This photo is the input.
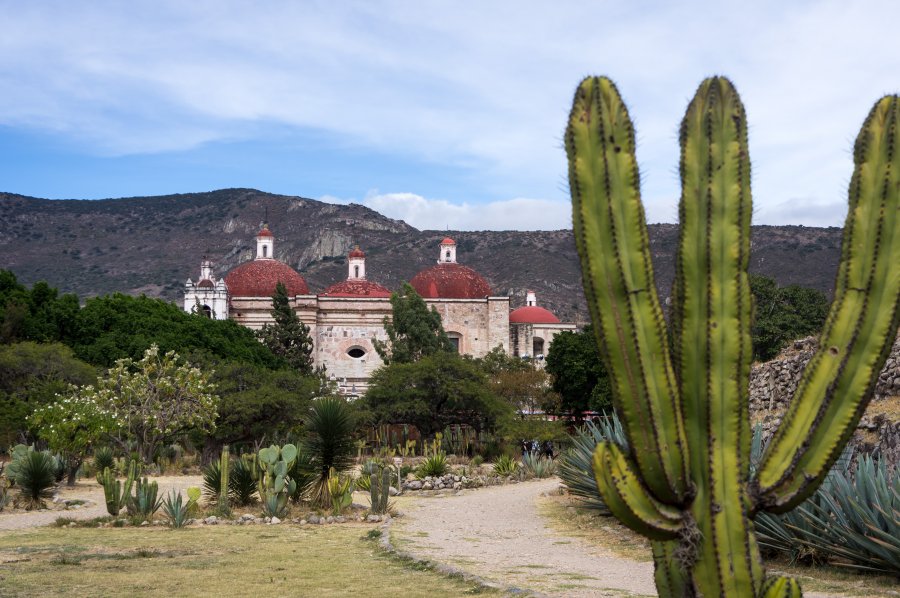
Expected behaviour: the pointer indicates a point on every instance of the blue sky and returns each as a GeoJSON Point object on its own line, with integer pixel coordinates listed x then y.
{"type": "Point", "coordinates": [444, 114]}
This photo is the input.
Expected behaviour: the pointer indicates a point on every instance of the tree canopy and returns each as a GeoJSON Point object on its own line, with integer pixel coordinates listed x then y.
{"type": "Point", "coordinates": [434, 392]}
{"type": "Point", "coordinates": [288, 337]}
{"type": "Point", "coordinates": [578, 375]}
{"type": "Point", "coordinates": [782, 314]}
{"type": "Point", "coordinates": [413, 330]}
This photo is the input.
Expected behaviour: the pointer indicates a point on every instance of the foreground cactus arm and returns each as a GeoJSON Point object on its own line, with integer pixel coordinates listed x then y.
{"type": "Point", "coordinates": [840, 379]}
{"type": "Point", "coordinates": [612, 242]}
{"type": "Point", "coordinates": [697, 505]}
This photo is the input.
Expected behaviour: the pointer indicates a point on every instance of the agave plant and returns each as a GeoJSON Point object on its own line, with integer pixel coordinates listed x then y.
{"type": "Point", "coordinates": [212, 481]}
{"type": "Point", "coordinates": [537, 466]}
{"type": "Point", "coordinates": [576, 465]}
{"type": "Point", "coordinates": [506, 465]}
{"type": "Point", "coordinates": [328, 443]}
{"type": "Point", "coordinates": [176, 510]}
{"type": "Point", "coordinates": [434, 465]}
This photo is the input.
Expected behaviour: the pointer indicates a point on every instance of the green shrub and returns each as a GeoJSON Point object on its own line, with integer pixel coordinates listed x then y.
{"type": "Point", "coordinates": [242, 482]}
{"type": "Point", "coordinates": [506, 465]}
{"type": "Point", "coordinates": [35, 477]}
{"type": "Point", "coordinates": [328, 444]}
{"type": "Point", "coordinates": [434, 465]}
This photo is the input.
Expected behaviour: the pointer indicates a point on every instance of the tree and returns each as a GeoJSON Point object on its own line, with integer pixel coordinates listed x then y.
{"type": "Point", "coordinates": [39, 314]}
{"type": "Point", "coordinates": [413, 330]}
{"type": "Point", "coordinates": [288, 337]}
{"type": "Point", "coordinates": [578, 375]}
{"type": "Point", "coordinates": [519, 382]}
{"type": "Point", "coordinates": [782, 314]}
{"type": "Point", "coordinates": [31, 375]}
{"type": "Point", "coordinates": [71, 425]}
{"type": "Point", "coordinates": [155, 400]}
{"type": "Point", "coordinates": [434, 392]}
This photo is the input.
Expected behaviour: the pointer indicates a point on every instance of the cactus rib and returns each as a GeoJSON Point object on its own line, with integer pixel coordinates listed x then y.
{"type": "Point", "coordinates": [611, 237]}
{"type": "Point", "coordinates": [858, 331]}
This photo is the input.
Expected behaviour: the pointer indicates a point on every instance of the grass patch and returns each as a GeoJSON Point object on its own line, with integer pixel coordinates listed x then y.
{"type": "Point", "coordinates": [223, 560]}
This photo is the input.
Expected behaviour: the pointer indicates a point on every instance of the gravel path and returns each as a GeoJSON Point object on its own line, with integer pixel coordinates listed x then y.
{"type": "Point", "coordinates": [497, 533]}
{"type": "Point", "coordinates": [92, 493]}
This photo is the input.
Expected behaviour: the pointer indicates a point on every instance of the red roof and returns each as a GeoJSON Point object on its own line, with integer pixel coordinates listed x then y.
{"type": "Point", "coordinates": [356, 288]}
{"type": "Point", "coordinates": [448, 241]}
{"type": "Point", "coordinates": [532, 314]}
{"type": "Point", "coordinates": [450, 281]}
{"type": "Point", "coordinates": [206, 284]}
{"type": "Point", "coordinates": [265, 232]}
{"type": "Point", "coordinates": [259, 277]}
{"type": "Point", "coordinates": [357, 252]}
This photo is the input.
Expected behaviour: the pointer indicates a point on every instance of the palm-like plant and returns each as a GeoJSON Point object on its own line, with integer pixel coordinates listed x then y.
{"type": "Point", "coordinates": [35, 477]}
{"type": "Point", "coordinates": [328, 444]}
{"type": "Point", "coordinates": [242, 482]}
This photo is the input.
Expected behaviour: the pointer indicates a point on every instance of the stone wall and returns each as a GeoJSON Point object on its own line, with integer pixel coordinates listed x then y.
{"type": "Point", "coordinates": [772, 384]}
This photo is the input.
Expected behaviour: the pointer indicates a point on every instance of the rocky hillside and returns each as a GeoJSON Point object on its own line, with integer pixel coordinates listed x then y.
{"type": "Point", "coordinates": [152, 245]}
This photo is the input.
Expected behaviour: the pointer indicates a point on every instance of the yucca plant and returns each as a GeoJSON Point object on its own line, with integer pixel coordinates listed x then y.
{"type": "Point", "coordinates": [242, 481]}
{"type": "Point", "coordinates": [506, 465]}
{"type": "Point", "coordinates": [434, 465]}
{"type": "Point", "coordinates": [328, 443]}
{"type": "Point", "coordinates": [682, 393]}
{"type": "Point", "coordinates": [212, 481]}
{"type": "Point", "coordinates": [103, 459]}
{"type": "Point", "coordinates": [536, 466]}
{"type": "Point", "coordinates": [576, 466]}
{"type": "Point", "coordinates": [35, 478]}
{"type": "Point", "coordinates": [303, 473]}
{"type": "Point", "coordinates": [175, 509]}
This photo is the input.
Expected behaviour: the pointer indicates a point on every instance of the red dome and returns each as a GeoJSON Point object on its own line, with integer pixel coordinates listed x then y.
{"type": "Point", "coordinates": [259, 277]}
{"type": "Point", "coordinates": [532, 314]}
{"type": "Point", "coordinates": [357, 252]}
{"type": "Point", "coordinates": [448, 241]}
{"type": "Point", "coordinates": [265, 232]}
{"type": "Point", "coordinates": [450, 281]}
{"type": "Point", "coordinates": [356, 288]}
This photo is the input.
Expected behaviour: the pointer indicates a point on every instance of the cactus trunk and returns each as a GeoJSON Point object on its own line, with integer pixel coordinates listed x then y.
{"type": "Point", "coordinates": [685, 483]}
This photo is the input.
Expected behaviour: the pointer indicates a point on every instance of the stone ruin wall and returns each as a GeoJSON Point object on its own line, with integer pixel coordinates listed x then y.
{"type": "Point", "coordinates": [772, 384]}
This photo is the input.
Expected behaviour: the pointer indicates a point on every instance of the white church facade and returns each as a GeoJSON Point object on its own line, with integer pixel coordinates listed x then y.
{"type": "Point", "coordinates": [346, 317]}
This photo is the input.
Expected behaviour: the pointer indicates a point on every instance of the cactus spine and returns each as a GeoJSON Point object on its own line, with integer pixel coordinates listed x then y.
{"type": "Point", "coordinates": [686, 482]}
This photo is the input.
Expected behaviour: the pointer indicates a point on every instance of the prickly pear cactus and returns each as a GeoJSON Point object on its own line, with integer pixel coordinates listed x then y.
{"type": "Point", "coordinates": [682, 393]}
{"type": "Point", "coordinates": [274, 484]}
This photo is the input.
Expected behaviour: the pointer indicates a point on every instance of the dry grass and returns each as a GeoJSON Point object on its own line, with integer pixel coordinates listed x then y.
{"type": "Point", "coordinates": [888, 407]}
{"type": "Point", "coordinates": [567, 517]}
{"type": "Point", "coordinates": [223, 560]}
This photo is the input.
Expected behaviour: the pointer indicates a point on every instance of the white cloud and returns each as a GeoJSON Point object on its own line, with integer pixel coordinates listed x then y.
{"type": "Point", "coordinates": [440, 214]}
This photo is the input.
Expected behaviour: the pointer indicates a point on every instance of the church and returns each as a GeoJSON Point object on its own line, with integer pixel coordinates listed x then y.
{"type": "Point", "coordinates": [346, 317]}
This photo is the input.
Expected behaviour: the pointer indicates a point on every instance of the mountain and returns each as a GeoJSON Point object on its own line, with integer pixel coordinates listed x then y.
{"type": "Point", "coordinates": [151, 245]}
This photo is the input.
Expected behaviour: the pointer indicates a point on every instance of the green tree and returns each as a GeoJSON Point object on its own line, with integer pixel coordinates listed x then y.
{"type": "Point", "coordinates": [413, 330]}
{"type": "Point", "coordinates": [782, 314]}
{"type": "Point", "coordinates": [155, 400]}
{"type": "Point", "coordinates": [31, 375]}
{"type": "Point", "coordinates": [119, 326]}
{"type": "Point", "coordinates": [577, 372]}
{"type": "Point", "coordinates": [288, 337]}
{"type": "Point", "coordinates": [520, 382]}
{"type": "Point", "coordinates": [39, 314]}
{"type": "Point", "coordinates": [71, 425]}
{"type": "Point", "coordinates": [434, 392]}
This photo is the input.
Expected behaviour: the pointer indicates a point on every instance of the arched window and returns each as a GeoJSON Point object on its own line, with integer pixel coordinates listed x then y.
{"type": "Point", "coordinates": [448, 255]}
{"type": "Point", "coordinates": [206, 311]}
{"type": "Point", "coordinates": [265, 251]}
{"type": "Point", "coordinates": [356, 271]}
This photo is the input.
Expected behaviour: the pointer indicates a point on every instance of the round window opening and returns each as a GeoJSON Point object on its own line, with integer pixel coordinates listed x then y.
{"type": "Point", "coordinates": [356, 353]}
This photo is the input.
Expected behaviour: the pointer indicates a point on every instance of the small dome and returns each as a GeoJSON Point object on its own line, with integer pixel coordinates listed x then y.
{"type": "Point", "coordinates": [357, 252]}
{"type": "Point", "coordinates": [206, 284]}
{"type": "Point", "coordinates": [356, 288]}
{"type": "Point", "coordinates": [259, 277]}
{"type": "Point", "coordinates": [448, 241]}
{"type": "Point", "coordinates": [532, 314]}
{"type": "Point", "coordinates": [265, 232]}
{"type": "Point", "coordinates": [450, 281]}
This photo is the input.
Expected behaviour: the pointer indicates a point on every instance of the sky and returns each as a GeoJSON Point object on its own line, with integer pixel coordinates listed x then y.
{"type": "Point", "coordinates": [448, 115]}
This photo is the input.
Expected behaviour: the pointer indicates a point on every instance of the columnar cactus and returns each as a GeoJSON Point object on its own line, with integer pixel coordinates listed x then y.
{"type": "Point", "coordinates": [114, 492]}
{"type": "Point", "coordinates": [685, 481]}
{"type": "Point", "coordinates": [224, 472]}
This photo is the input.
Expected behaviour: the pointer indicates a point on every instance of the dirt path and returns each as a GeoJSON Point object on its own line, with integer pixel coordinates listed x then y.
{"type": "Point", "coordinates": [497, 533]}
{"type": "Point", "coordinates": [95, 506]}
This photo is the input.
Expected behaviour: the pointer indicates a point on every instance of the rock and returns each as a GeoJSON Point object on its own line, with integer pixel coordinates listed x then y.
{"type": "Point", "coordinates": [329, 519]}
{"type": "Point", "coordinates": [71, 524]}
{"type": "Point", "coordinates": [373, 518]}
{"type": "Point", "coordinates": [303, 522]}
{"type": "Point", "coordinates": [274, 520]}
{"type": "Point", "coordinates": [145, 523]}
{"type": "Point", "coordinates": [415, 485]}
{"type": "Point", "coordinates": [211, 520]}
{"type": "Point", "coordinates": [393, 491]}
{"type": "Point", "coordinates": [313, 519]}
{"type": "Point", "coordinates": [268, 520]}
{"type": "Point", "coordinates": [340, 519]}
{"type": "Point", "coordinates": [321, 521]}
{"type": "Point", "coordinates": [427, 486]}
{"type": "Point", "coordinates": [247, 517]}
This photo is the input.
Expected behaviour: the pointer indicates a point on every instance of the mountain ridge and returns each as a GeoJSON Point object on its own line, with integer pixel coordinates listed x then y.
{"type": "Point", "coordinates": [153, 244]}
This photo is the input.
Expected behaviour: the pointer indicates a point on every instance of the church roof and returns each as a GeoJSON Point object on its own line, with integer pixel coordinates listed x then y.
{"type": "Point", "coordinates": [265, 232]}
{"type": "Point", "coordinates": [448, 241]}
{"type": "Point", "coordinates": [357, 252]}
{"type": "Point", "coordinates": [206, 283]}
{"type": "Point", "coordinates": [259, 277]}
{"type": "Point", "coordinates": [450, 281]}
{"type": "Point", "coordinates": [532, 314]}
{"type": "Point", "coordinates": [356, 288]}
